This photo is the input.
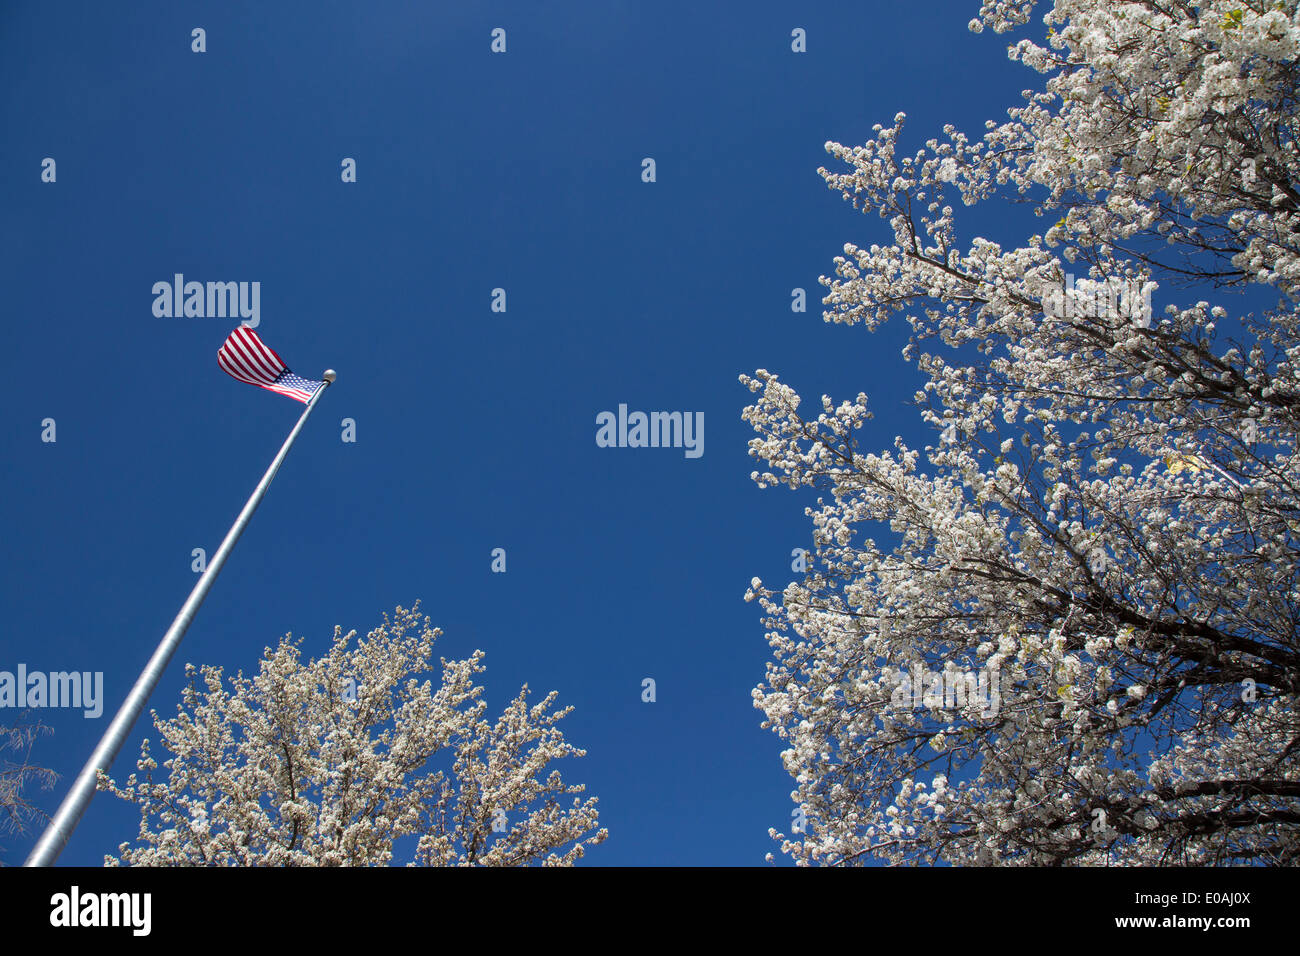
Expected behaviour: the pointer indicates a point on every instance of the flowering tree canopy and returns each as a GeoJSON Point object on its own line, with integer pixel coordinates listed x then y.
{"type": "Point", "coordinates": [329, 763]}
{"type": "Point", "coordinates": [1108, 524]}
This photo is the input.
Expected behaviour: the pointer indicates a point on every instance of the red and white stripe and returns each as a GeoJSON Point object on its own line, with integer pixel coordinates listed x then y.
{"type": "Point", "coordinates": [247, 358]}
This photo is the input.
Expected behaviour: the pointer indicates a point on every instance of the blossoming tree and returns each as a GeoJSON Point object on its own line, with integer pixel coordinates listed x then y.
{"type": "Point", "coordinates": [1108, 518]}
{"type": "Point", "coordinates": [17, 813]}
{"type": "Point", "coordinates": [329, 763]}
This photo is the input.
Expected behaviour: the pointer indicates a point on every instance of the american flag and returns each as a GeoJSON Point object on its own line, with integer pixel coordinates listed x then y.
{"type": "Point", "coordinates": [247, 358]}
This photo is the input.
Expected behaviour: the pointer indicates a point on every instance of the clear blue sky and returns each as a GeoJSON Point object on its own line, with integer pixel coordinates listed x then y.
{"type": "Point", "coordinates": [475, 429]}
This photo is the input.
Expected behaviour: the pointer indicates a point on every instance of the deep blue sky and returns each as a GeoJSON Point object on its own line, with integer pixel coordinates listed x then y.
{"type": "Point", "coordinates": [475, 429]}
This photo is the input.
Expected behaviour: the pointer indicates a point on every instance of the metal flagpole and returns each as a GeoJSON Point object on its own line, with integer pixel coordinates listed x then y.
{"type": "Point", "coordinates": [66, 818]}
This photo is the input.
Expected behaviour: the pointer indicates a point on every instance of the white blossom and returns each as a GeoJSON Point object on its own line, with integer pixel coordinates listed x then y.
{"type": "Point", "coordinates": [329, 762]}
{"type": "Point", "coordinates": [1089, 517]}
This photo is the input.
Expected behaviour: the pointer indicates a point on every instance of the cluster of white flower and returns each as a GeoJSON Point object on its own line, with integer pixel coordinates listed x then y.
{"type": "Point", "coordinates": [328, 763]}
{"type": "Point", "coordinates": [1112, 512]}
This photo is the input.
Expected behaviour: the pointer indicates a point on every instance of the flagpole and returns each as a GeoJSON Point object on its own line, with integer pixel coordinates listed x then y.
{"type": "Point", "coordinates": [70, 811]}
